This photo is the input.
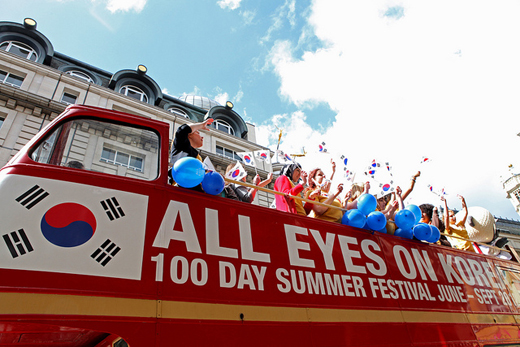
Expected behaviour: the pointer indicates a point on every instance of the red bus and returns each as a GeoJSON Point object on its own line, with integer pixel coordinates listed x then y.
{"type": "Point", "coordinates": [99, 250]}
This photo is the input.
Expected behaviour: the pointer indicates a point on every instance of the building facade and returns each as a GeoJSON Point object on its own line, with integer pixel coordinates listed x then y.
{"type": "Point", "coordinates": [38, 83]}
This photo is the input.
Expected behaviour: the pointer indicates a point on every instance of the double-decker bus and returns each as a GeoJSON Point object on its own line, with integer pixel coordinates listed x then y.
{"type": "Point", "coordinates": [98, 249]}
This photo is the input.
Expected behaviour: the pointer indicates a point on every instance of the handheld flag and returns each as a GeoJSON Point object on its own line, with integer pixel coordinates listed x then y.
{"type": "Point", "coordinates": [349, 175]}
{"type": "Point", "coordinates": [247, 157]}
{"type": "Point", "coordinates": [321, 148]}
{"type": "Point", "coordinates": [438, 192]}
{"type": "Point", "coordinates": [283, 157]}
{"type": "Point", "coordinates": [389, 168]}
{"type": "Point", "coordinates": [237, 172]}
{"type": "Point", "coordinates": [208, 165]}
{"type": "Point", "coordinates": [425, 160]}
{"type": "Point", "coordinates": [264, 156]}
{"type": "Point", "coordinates": [383, 178]}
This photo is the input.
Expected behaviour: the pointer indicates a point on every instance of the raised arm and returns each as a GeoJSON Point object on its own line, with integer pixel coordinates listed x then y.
{"type": "Point", "coordinates": [367, 187]}
{"type": "Point", "coordinates": [264, 182]}
{"type": "Point", "coordinates": [435, 221]}
{"type": "Point", "coordinates": [202, 125]}
{"type": "Point", "coordinates": [319, 210]}
{"type": "Point", "coordinates": [446, 215]}
{"type": "Point", "coordinates": [256, 181]}
{"type": "Point", "coordinates": [333, 168]}
{"type": "Point", "coordinates": [464, 208]}
{"type": "Point", "coordinates": [398, 194]}
{"type": "Point", "coordinates": [412, 185]}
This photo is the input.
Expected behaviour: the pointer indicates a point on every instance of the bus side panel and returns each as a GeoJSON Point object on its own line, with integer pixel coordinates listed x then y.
{"type": "Point", "coordinates": [95, 283]}
{"type": "Point", "coordinates": [200, 333]}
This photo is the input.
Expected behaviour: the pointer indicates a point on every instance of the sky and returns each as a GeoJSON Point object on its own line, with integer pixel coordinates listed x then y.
{"type": "Point", "coordinates": [394, 81]}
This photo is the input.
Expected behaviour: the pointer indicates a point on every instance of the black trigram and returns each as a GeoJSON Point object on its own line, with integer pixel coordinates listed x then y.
{"type": "Point", "coordinates": [112, 208]}
{"type": "Point", "coordinates": [18, 243]}
{"type": "Point", "coordinates": [105, 252]}
{"type": "Point", "coordinates": [32, 197]}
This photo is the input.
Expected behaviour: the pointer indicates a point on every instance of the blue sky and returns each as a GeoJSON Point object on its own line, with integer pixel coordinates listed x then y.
{"type": "Point", "coordinates": [387, 80]}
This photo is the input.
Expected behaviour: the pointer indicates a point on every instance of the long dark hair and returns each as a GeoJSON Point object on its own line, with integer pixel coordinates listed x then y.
{"type": "Point", "coordinates": [288, 169]}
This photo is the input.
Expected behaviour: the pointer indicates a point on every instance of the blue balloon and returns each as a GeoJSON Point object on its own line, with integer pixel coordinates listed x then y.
{"type": "Point", "coordinates": [188, 172]}
{"type": "Point", "coordinates": [213, 183]}
{"type": "Point", "coordinates": [384, 231]}
{"type": "Point", "coordinates": [356, 218]}
{"type": "Point", "coordinates": [422, 231]}
{"type": "Point", "coordinates": [376, 220]}
{"type": "Point", "coordinates": [404, 219]}
{"type": "Point", "coordinates": [435, 235]}
{"type": "Point", "coordinates": [366, 203]}
{"type": "Point", "coordinates": [406, 233]}
{"type": "Point", "coordinates": [416, 212]}
{"type": "Point", "coordinates": [344, 219]}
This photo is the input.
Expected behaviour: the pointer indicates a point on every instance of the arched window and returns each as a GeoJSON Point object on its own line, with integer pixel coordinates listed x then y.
{"type": "Point", "coordinates": [134, 92]}
{"type": "Point", "coordinates": [20, 49]}
{"type": "Point", "coordinates": [80, 74]}
{"type": "Point", "coordinates": [178, 112]}
{"type": "Point", "coordinates": [224, 126]}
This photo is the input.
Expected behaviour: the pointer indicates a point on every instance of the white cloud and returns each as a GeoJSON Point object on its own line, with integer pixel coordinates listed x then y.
{"type": "Point", "coordinates": [230, 4]}
{"type": "Point", "coordinates": [283, 12]}
{"type": "Point", "coordinates": [221, 98]}
{"type": "Point", "coordinates": [248, 16]}
{"type": "Point", "coordinates": [238, 96]}
{"type": "Point", "coordinates": [400, 92]}
{"type": "Point", "coordinates": [125, 5]}
{"type": "Point", "coordinates": [96, 16]}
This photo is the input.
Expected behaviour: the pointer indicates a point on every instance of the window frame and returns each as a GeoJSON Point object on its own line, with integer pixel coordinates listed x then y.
{"type": "Point", "coordinates": [116, 157]}
{"type": "Point", "coordinates": [134, 89]}
{"type": "Point", "coordinates": [180, 112]}
{"type": "Point", "coordinates": [69, 95]}
{"type": "Point", "coordinates": [80, 74]}
{"type": "Point", "coordinates": [225, 124]}
{"type": "Point", "coordinates": [63, 133]}
{"type": "Point", "coordinates": [233, 155]}
{"type": "Point", "coordinates": [7, 75]}
{"type": "Point", "coordinates": [31, 52]}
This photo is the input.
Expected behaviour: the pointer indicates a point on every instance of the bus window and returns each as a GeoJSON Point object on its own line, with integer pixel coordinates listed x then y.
{"type": "Point", "coordinates": [100, 146]}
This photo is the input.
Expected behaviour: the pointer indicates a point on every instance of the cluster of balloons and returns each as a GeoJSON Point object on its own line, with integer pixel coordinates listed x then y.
{"type": "Point", "coordinates": [189, 172]}
{"type": "Point", "coordinates": [407, 220]}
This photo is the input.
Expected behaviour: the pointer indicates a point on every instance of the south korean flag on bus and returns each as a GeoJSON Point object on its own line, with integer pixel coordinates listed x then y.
{"type": "Point", "coordinates": [381, 174]}
{"type": "Point", "coordinates": [65, 227]}
{"type": "Point", "coordinates": [247, 158]}
{"type": "Point", "coordinates": [264, 156]}
{"type": "Point", "coordinates": [237, 172]}
{"type": "Point", "coordinates": [283, 157]}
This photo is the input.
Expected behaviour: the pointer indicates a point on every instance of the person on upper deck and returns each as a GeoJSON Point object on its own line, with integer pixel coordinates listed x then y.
{"type": "Point", "coordinates": [287, 183]}
{"type": "Point", "coordinates": [457, 228]}
{"type": "Point", "coordinates": [187, 139]}
{"type": "Point", "coordinates": [430, 215]}
{"type": "Point", "coordinates": [319, 191]}
{"type": "Point", "coordinates": [242, 193]}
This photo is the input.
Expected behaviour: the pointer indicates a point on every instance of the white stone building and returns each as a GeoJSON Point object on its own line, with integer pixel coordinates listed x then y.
{"type": "Point", "coordinates": [37, 84]}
